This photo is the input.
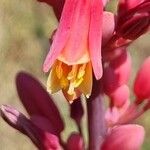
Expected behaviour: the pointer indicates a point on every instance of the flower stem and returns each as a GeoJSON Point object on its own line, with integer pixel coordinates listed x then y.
{"type": "Point", "coordinates": [96, 122]}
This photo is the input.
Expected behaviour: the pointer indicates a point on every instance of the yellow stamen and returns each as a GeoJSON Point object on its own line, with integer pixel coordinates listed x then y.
{"type": "Point", "coordinates": [75, 77]}
{"type": "Point", "coordinates": [78, 82]}
{"type": "Point", "coordinates": [64, 82]}
{"type": "Point", "coordinates": [72, 74]}
{"type": "Point", "coordinates": [81, 71]}
{"type": "Point", "coordinates": [71, 89]}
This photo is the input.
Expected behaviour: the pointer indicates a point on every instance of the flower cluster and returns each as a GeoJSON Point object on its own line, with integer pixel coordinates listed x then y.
{"type": "Point", "coordinates": [89, 44]}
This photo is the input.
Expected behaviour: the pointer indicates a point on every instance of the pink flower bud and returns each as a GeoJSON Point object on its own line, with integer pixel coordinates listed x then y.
{"type": "Point", "coordinates": [114, 113]}
{"type": "Point", "coordinates": [125, 137]}
{"type": "Point", "coordinates": [108, 26]}
{"type": "Point", "coordinates": [120, 96]}
{"type": "Point", "coordinates": [122, 67]}
{"type": "Point", "coordinates": [117, 73]}
{"type": "Point", "coordinates": [142, 81]}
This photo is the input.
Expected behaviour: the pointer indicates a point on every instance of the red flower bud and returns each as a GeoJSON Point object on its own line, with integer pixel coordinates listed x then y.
{"type": "Point", "coordinates": [117, 73]}
{"type": "Point", "coordinates": [134, 27]}
{"type": "Point", "coordinates": [142, 81]}
{"type": "Point", "coordinates": [133, 19]}
{"type": "Point", "coordinates": [120, 96]}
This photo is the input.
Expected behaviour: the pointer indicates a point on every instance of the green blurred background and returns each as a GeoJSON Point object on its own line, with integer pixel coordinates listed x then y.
{"type": "Point", "coordinates": [25, 28]}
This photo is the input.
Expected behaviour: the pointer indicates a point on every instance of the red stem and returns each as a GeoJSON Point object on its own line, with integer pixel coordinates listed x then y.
{"type": "Point", "coordinates": [96, 122]}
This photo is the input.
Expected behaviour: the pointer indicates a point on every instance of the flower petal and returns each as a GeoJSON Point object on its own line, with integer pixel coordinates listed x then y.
{"type": "Point", "coordinates": [105, 2]}
{"type": "Point", "coordinates": [43, 123]}
{"type": "Point", "coordinates": [76, 49]}
{"type": "Point", "coordinates": [86, 85]}
{"type": "Point", "coordinates": [95, 36]}
{"type": "Point", "coordinates": [62, 34]}
{"type": "Point", "coordinates": [37, 101]}
{"type": "Point", "coordinates": [53, 83]}
{"type": "Point", "coordinates": [108, 26]}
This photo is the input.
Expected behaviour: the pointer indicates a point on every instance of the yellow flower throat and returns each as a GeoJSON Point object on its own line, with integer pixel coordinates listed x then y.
{"type": "Point", "coordinates": [70, 76]}
{"type": "Point", "coordinates": [73, 80]}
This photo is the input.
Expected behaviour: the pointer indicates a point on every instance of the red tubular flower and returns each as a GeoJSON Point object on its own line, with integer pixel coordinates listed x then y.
{"type": "Point", "coordinates": [76, 48]}
{"type": "Point", "coordinates": [125, 137]}
{"type": "Point", "coordinates": [142, 82]}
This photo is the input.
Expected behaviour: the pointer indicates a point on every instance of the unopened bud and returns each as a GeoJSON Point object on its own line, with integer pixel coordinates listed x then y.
{"type": "Point", "coordinates": [142, 81]}
{"type": "Point", "coordinates": [120, 96]}
{"type": "Point", "coordinates": [134, 27]}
